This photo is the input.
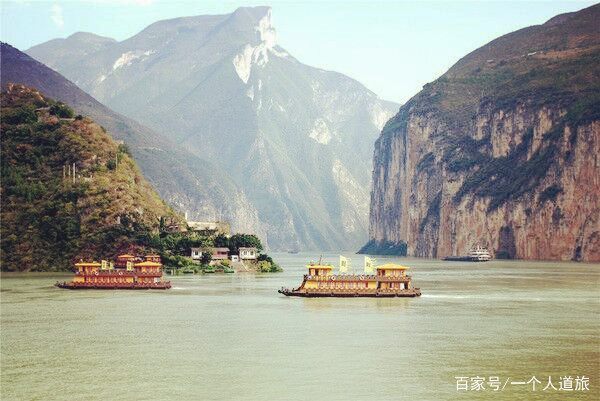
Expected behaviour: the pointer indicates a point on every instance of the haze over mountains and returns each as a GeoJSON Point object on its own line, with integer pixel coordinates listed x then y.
{"type": "Point", "coordinates": [185, 181]}
{"type": "Point", "coordinates": [296, 140]}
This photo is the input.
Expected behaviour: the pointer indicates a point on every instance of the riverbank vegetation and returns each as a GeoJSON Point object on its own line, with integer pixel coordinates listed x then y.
{"type": "Point", "coordinates": [374, 247]}
{"type": "Point", "coordinates": [175, 251]}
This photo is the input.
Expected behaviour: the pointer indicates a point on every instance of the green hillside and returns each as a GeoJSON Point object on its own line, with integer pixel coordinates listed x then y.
{"type": "Point", "coordinates": [50, 216]}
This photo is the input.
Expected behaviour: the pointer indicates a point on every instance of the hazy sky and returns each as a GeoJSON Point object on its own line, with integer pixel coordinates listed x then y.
{"type": "Point", "coordinates": [392, 47]}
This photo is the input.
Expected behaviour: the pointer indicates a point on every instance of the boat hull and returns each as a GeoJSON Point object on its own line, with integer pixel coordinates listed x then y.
{"type": "Point", "coordinates": [113, 286]}
{"type": "Point", "coordinates": [464, 259]}
{"type": "Point", "coordinates": [415, 292]}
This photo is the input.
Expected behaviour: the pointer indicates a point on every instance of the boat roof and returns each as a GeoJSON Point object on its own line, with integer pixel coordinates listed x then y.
{"type": "Point", "coordinates": [309, 266]}
{"type": "Point", "coordinates": [88, 264]}
{"type": "Point", "coordinates": [147, 263]}
{"type": "Point", "coordinates": [392, 266]}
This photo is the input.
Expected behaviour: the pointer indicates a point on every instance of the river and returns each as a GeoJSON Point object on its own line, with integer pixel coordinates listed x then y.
{"type": "Point", "coordinates": [233, 337]}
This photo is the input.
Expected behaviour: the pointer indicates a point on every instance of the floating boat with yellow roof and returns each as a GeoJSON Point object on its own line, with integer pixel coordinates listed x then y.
{"type": "Point", "coordinates": [128, 272]}
{"type": "Point", "coordinates": [388, 280]}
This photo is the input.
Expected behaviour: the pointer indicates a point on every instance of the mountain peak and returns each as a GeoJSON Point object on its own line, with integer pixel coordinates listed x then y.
{"type": "Point", "coordinates": [266, 30]}
{"type": "Point", "coordinates": [257, 12]}
{"type": "Point", "coordinates": [243, 20]}
{"type": "Point", "coordinates": [258, 19]}
{"type": "Point", "coordinates": [257, 52]}
{"type": "Point", "coordinates": [585, 16]}
{"type": "Point", "coordinates": [562, 32]}
{"type": "Point", "coordinates": [89, 37]}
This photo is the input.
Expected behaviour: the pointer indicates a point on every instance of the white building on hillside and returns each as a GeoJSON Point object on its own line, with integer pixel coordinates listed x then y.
{"type": "Point", "coordinates": [248, 253]}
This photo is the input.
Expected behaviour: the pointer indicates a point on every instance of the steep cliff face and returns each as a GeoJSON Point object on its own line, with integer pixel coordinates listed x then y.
{"type": "Point", "coordinates": [502, 151]}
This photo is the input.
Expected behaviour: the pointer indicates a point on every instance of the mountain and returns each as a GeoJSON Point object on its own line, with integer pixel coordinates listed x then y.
{"type": "Point", "coordinates": [67, 188]}
{"type": "Point", "coordinates": [502, 151]}
{"type": "Point", "coordinates": [185, 181]}
{"type": "Point", "coordinates": [296, 139]}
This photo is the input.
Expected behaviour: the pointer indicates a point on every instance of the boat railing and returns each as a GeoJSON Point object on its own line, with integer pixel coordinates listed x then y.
{"type": "Point", "coordinates": [160, 284]}
{"type": "Point", "coordinates": [395, 279]}
{"type": "Point", "coordinates": [120, 272]}
{"type": "Point", "coordinates": [342, 277]}
{"type": "Point", "coordinates": [356, 277]}
{"type": "Point", "coordinates": [357, 290]}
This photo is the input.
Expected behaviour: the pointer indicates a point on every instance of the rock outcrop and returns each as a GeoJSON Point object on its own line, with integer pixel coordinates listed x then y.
{"type": "Point", "coordinates": [501, 151]}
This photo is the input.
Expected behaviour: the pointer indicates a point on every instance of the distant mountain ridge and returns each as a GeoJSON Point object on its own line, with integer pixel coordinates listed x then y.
{"type": "Point", "coordinates": [296, 139]}
{"type": "Point", "coordinates": [500, 151]}
{"type": "Point", "coordinates": [185, 181]}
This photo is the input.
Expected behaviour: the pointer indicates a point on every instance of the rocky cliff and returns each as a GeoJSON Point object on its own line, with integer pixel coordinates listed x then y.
{"type": "Point", "coordinates": [502, 151]}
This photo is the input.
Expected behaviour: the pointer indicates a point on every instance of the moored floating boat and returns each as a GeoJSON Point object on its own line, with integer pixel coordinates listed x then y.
{"type": "Point", "coordinates": [128, 273]}
{"type": "Point", "coordinates": [388, 281]}
{"type": "Point", "coordinates": [477, 254]}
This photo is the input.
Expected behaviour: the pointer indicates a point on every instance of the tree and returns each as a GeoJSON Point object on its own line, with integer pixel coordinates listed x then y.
{"type": "Point", "coordinates": [206, 258]}
{"type": "Point", "coordinates": [244, 240]}
{"type": "Point", "coordinates": [221, 241]}
{"type": "Point", "coordinates": [123, 148]}
{"type": "Point", "coordinates": [61, 110]}
{"type": "Point", "coordinates": [265, 257]}
{"type": "Point", "coordinates": [162, 225]}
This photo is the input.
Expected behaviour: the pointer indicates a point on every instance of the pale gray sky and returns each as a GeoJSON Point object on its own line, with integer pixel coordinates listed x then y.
{"type": "Point", "coordinates": [392, 47]}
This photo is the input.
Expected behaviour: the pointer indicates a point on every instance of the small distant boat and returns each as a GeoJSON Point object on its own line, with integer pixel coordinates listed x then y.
{"type": "Point", "coordinates": [387, 281]}
{"type": "Point", "coordinates": [477, 254]}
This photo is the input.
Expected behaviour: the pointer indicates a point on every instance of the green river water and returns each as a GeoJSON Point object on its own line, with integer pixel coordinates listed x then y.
{"type": "Point", "coordinates": [233, 337]}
